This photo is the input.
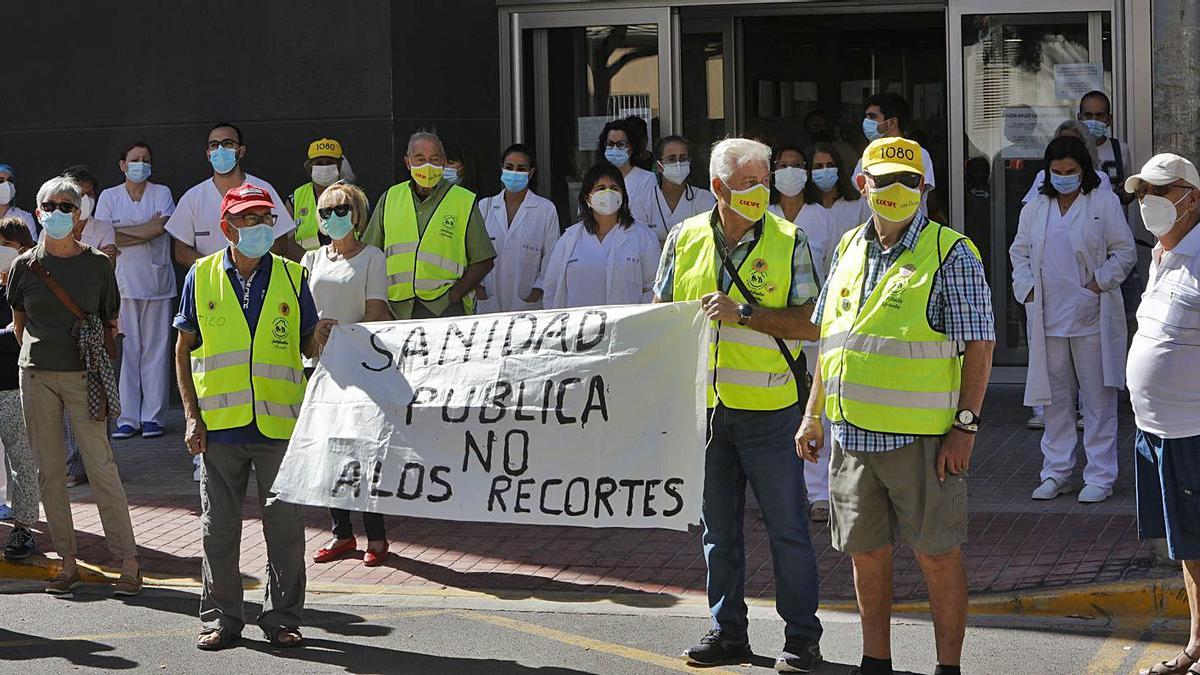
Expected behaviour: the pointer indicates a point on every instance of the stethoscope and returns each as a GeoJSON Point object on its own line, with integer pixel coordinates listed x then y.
{"type": "Point", "coordinates": [689, 195]}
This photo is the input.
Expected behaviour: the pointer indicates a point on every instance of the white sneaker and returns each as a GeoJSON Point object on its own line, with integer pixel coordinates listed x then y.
{"type": "Point", "coordinates": [196, 475]}
{"type": "Point", "coordinates": [1037, 423]}
{"type": "Point", "coordinates": [1050, 488]}
{"type": "Point", "coordinates": [1093, 494]}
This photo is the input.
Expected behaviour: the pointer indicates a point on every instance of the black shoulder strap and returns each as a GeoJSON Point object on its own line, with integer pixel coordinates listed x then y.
{"type": "Point", "coordinates": [1116, 146]}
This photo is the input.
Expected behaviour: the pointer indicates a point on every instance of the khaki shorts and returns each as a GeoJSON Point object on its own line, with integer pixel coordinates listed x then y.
{"type": "Point", "coordinates": [875, 495]}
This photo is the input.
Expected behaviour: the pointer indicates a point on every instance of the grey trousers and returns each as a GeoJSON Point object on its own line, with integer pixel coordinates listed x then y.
{"type": "Point", "coordinates": [223, 482]}
{"type": "Point", "coordinates": [23, 489]}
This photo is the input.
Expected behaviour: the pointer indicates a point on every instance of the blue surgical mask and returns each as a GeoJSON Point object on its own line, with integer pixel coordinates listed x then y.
{"type": "Point", "coordinates": [1097, 128]}
{"type": "Point", "coordinates": [825, 178]}
{"type": "Point", "coordinates": [870, 129]}
{"type": "Point", "coordinates": [223, 160]}
{"type": "Point", "coordinates": [616, 156]}
{"type": "Point", "coordinates": [1066, 185]}
{"type": "Point", "coordinates": [450, 174]}
{"type": "Point", "coordinates": [337, 226]}
{"type": "Point", "coordinates": [137, 172]}
{"type": "Point", "coordinates": [514, 181]}
{"type": "Point", "coordinates": [58, 225]}
{"type": "Point", "coordinates": [255, 241]}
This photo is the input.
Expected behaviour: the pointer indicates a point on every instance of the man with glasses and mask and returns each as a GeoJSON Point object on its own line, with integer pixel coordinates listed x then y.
{"type": "Point", "coordinates": [437, 246]}
{"type": "Point", "coordinates": [906, 351]}
{"type": "Point", "coordinates": [1163, 376]}
{"type": "Point", "coordinates": [245, 317]}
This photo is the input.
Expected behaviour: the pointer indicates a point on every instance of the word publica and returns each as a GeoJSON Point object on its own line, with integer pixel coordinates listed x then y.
{"type": "Point", "coordinates": [507, 335]}
{"type": "Point", "coordinates": [530, 402]}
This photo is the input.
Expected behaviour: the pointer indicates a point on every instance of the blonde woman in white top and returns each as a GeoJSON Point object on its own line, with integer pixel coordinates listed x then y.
{"type": "Point", "coordinates": [348, 280]}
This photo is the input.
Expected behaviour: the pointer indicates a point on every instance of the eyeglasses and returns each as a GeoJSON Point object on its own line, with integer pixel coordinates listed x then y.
{"type": "Point", "coordinates": [228, 144]}
{"type": "Point", "coordinates": [1156, 190]}
{"type": "Point", "coordinates": [909, 180]}
{"type": "Point", "coordinates": [340, 209]}
{"type": "Point", "coordinates": [620, 145]}
{"type": "Point", "coordinates": [65, 207]}
{"type": "Point", "coordinates": [251, 219]}
{"type": "Point", "coordinates": [604, 188]}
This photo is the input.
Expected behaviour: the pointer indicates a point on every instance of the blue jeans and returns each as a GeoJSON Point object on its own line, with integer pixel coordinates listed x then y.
{"type": "Point", "coordinates": [759, 447]}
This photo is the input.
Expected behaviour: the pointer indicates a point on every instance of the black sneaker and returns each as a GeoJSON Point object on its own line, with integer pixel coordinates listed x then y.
{"type": "Point", "coordinates": [20, 544]}
{"type": "Point", "coordinates": [799, 656]}
{"type": "Point", "coordinates": [715, 649]}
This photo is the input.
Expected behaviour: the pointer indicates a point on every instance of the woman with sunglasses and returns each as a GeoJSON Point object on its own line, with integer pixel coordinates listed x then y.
{"type": "Point", "coordinates": [54, 380]}
{"type": "Point", "coordinates": [676, 200]}
{"type": "Point", "coordinates": [348, 280]}
{"type": "Point", "coordinates": [1071, 252]}
{"type": "Point", "coordinates": [607, 258]}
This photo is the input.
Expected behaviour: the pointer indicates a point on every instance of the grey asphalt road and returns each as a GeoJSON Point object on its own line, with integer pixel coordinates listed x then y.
{"type": "Point", "coordinates": [368, 633]}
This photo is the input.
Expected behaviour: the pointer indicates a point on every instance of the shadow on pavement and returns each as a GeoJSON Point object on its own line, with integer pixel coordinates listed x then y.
{"type": "Point", "coordinates": [16, 646]}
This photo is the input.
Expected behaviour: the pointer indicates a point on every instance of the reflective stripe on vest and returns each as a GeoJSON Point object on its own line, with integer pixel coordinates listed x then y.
{"type": "Point", "coordinates": [751, 374]}
{"type": "Point", "coordinates": [242, 378]}
{"type": "Point", "coordinates": [884, 368]}
{"type": "Point", "coordinates": [426, 265]}
{"type": "Point", "coordinates": [304, 203]}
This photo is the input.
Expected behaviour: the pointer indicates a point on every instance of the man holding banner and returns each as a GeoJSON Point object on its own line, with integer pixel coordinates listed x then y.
{"type": "Point", "coordinates": [245, 317]}
{"type": "Point", "coordinates": [759, 294]}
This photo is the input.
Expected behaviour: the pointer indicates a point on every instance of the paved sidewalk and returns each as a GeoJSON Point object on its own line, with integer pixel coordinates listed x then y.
{"type": "Point", "coordinates": [1015, 544]}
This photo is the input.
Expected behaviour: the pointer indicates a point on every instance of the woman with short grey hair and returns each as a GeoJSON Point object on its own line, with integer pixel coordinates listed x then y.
{"type": "Point", "coordinates": [50, 287]}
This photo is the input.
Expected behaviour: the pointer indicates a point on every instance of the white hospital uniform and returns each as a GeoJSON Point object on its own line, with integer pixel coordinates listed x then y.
{"type": "Point", "coordinates": [523, 249]}
{"type": "Point", "coordinates": [146, 280]}
{"type": "Point", "coordinates": [694, 201]}
{"type": "Point", "coordinates": [197, 218]}
{"type": "Point", "coordinates": [584, 271]}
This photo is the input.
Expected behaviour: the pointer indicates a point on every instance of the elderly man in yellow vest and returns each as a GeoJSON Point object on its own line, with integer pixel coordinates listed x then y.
{"type": "Point", "coordinates": [752, 397]}
{"type": "Point", "coordinates": [437, 246]}
{"type": "Point", "coordinates": [324, 166]}
{"type": "Point", "coordinates": [245, 317]}
{"type": "Point", "coordinates": [906, 351]}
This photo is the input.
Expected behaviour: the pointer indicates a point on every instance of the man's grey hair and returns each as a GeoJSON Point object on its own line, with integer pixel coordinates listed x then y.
{"type": "Point", "coordinates": [60, 186]}
{"type": "Point", "coordinates": [731, 154]}
{"type": "Point", "coordinates": [424, 136]}
{"type": "Point", "coordinates": [1080, 129]}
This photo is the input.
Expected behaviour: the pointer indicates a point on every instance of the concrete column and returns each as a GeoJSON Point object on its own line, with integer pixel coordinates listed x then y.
{"type": "Point", "coordinates": [1176, 77]}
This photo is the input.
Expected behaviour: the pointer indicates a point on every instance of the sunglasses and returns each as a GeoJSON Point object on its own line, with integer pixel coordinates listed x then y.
{"type": "Point", "coordinates": [1156, 190]}
{"type": "Point", "coordinates": [340, 209]}
{"type": "Point", "coordinates": [65, 207]}
{"type": "Point", "coordinates": [909, 180]}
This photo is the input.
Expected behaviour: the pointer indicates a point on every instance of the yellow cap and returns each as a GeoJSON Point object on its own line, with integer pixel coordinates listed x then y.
{"type": "Point", "coordinates": [326, 147]}
{"type": "Point", "coordinates": [893, 155]}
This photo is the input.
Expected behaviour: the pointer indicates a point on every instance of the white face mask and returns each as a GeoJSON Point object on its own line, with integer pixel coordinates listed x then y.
{"type": "Point", "coordinates": [324, 175]}
{"type": "Point", "coordinates": [85, 207]}
{"type": "Point", "coordinates": [606, 202]}
{"type": "Point", "coordinates": [7, 192]}
{"type": "Point", "coordinates": [7, 255]}
{"type": "Point", "coordinates": [790, 180]}
{"type": "Point", "coordinates": [1158, 213]}
{"type": "Point", "coordinates": [677, 172]}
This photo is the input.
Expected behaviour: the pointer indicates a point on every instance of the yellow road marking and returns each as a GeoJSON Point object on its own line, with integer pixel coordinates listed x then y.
{"type": "Point", "coordinates": [622, 651]}
{"type": "Point", "coordinates": [1125, 642]}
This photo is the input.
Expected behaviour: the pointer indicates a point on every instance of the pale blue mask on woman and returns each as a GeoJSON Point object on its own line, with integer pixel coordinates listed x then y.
{"type": "Point", "coordinates": [337, 226]}
{"type": "Point", "coordinates": [58, 225]}
{"type": "Point", "coordinates": [514, 181]}
{"type": "Point", "coordinates": [1066, 185]}
{"type": "Point", "coordinates": [825, 178]}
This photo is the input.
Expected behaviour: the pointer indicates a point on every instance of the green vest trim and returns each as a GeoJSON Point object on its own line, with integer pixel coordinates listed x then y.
{"type": "Point", "coordinates": [304, 203]}
{"type": "Point", "coordinates": [241, 377]}
{"type": "Point", "coordinates": [749, 371]}
{"type": "Point", "coordinates": [884, 368]}
{"type": "Point", "coordinates": [426, 266]}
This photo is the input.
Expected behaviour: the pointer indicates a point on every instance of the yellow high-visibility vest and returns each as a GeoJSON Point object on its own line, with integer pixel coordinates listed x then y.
{"type": "Point", "coordinates": [883, 366]}
{"type": "Point", "coordinates": [241, 377]}
{"type": "Point", "coordinates": [750, 372]}
{"type": "Point", "coordinates": [426, 266]}
{"type": "Point", "coordinates": [304, 203]}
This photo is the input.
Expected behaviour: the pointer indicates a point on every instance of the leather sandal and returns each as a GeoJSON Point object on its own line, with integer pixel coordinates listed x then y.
{"type": "Point", "coordinates": [1180, 665]}
{"type": "Point", "coordinates": [225, 638]}
{"type": "Point", "coordinates": [279, 637]}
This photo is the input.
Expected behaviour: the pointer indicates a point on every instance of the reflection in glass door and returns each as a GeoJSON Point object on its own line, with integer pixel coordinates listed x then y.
{"type": "Point", "coordinates": [1022, 75]}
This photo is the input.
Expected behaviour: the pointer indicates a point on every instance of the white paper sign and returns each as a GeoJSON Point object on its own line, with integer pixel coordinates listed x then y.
{"type": "Point", "coordinates": [1073, 80]}
{"type": "Point", "coordinates": [588, 130]}
{"type": "Point", "coordinates": [591, 417]}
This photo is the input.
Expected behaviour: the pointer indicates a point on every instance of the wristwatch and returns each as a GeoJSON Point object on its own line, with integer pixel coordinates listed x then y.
{"type": "Point", "coordinates": [966, 420]}
{"type": "Point", "coordinates": [745, 311]}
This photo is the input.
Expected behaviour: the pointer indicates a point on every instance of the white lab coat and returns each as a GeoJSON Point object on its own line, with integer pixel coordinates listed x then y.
{"type": "Point", "coordinates": [1104, 251]}
{"type": "Point", "coordinates": [522, 251]}
{"type": "Point", "coordinates": [694, 201]}
{"type": "Point", "coordinates": [632, 266]}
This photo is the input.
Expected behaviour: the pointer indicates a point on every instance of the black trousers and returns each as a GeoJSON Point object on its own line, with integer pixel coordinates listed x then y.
{"type": "Point", "coordinates": [372, 523]}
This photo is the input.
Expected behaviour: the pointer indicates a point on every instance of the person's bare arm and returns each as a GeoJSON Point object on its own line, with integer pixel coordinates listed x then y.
{"type": "Point", "coordinates": [185, 255]}
{"type": "Point", "coordinates": [195, 434]}
{"type": "Point", "coordinates": [471, 278]}
{"type": "Point", "coordinates": [788, 323]}
{"type": "Point", "coordinates": [955, 454]}
{"type": "Point", "coordinates": [377, 310]}
{"type": "Point", "coordinates": [18, 325]}
{"type": "Point", "coordinates": [288, 247]}
{"type": "Point", "coordinates": [810, 438]}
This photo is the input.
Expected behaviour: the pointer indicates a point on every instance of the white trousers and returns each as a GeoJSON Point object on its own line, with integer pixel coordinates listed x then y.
{"type": "Point", "coordinates": [1075, 368]}
{"type": "Point", "coordinates": [816, 476]}
{"type": "Point", "coordinates": [145, 359]}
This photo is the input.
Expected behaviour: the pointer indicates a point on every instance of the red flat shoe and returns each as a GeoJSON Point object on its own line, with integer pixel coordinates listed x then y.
{"type": "Point", "coordinates": [336, 549]}
{"type": "Point", "coordinates": [375, 558]}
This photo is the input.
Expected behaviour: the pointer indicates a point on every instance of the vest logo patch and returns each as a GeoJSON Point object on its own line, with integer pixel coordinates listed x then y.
{"type": "Point", "coordinates": [447, 227]}
{"type": "Point", "coordinates": [211, 305]}
{"type": "Point", "coordinates": [285, 308]}
{"type": "Point", "coordinates": [304, 212]}
{"type": "Point", "coordinates": [279, 330]}
{"type": "Point", "coordinates": [757, 280]}
{"type": "Point", "coordinates": [760, 265]}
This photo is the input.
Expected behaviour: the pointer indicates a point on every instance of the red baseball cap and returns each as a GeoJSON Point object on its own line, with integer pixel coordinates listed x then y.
{"type": "Point", "coordinates": [244, 197]}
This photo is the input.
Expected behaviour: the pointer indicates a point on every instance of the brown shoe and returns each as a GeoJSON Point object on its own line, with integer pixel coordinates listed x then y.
{"type": "Point", "coordinates": [1176, 666]}
{"type": "Point", "coordinates": [62, 583]}
{"type": "Point", "coordinates": [128, 585]}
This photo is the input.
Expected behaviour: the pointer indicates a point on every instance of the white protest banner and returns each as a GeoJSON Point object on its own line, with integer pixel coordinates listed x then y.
{"type": "Point", "coordinates": [592, 416]}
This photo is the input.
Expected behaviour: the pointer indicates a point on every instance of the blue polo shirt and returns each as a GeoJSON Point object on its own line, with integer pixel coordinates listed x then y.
{"type": "Point", "coordinates": [186, 321]}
